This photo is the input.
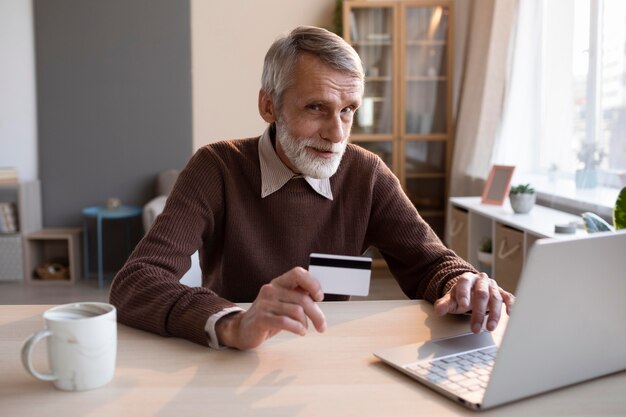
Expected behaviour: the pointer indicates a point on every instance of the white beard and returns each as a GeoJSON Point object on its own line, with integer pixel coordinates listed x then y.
{"type": "Point", "coordinates": [304, 159]}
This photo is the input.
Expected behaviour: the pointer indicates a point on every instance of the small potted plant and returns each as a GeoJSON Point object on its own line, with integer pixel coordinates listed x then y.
{"type": "Point", "coordinates": [485, 251]}
{"type": "Point", "coordinates": [522, 198]}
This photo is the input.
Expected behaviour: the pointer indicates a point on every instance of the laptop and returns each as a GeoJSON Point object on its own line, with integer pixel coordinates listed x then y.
{"type": "Point", "coordinates": [567, 326]}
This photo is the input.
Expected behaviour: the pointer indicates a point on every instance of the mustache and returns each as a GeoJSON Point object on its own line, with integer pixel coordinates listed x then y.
{"type": "Point", "coordinates": [322, 145]}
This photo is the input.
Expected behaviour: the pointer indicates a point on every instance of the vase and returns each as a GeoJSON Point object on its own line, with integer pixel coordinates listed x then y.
{"type": "Point", "coordinates": [522, 203]}
{"type": "Point", "coordinates": [586, 178]}
{"type": "Point", "coordinates": [485, 258]}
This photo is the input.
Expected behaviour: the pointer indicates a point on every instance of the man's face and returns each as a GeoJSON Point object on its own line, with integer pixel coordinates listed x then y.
{"type": "Point", "coordinates": [313, 126]}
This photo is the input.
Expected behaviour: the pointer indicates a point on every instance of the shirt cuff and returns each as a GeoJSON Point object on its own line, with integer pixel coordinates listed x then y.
{"type": "Point", "coordinates": [209, 327]}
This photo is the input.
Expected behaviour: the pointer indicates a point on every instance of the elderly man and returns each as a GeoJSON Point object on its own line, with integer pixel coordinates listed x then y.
{"type": "Point", "coordinates": [256, 208]}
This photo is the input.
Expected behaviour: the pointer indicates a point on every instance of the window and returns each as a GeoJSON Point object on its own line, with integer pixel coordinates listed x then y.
{"type": "Point", "coordinates": [564, 123]}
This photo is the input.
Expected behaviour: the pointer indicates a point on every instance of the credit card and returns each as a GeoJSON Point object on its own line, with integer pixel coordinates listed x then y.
{"type": "Point", "coordinates": [343, 275]}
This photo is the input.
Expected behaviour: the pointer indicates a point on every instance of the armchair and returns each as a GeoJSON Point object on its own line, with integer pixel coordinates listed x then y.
{"type": "Point", "coordinates": [165, 183]}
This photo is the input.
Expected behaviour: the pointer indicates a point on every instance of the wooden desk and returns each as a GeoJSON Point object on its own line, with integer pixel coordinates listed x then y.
{"type": "Point", "coordinates": [333, 374]}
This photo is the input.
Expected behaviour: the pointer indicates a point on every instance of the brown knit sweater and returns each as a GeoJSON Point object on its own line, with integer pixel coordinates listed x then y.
{"type": "Point", "coordinates": [246, 241]}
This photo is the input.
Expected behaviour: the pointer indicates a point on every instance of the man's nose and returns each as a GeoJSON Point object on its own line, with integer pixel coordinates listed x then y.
{"type": "Point", "coordinates": [333, 130]}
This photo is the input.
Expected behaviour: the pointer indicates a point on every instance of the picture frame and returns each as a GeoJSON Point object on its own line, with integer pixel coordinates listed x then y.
{"type": "Point", "coordinates": [498, 184]}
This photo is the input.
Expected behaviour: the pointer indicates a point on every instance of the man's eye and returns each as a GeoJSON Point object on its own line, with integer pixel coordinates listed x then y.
{"type": "Point", "coordinates": [347, 110]}
{"type": "Point", "coordinates": [316, 107]}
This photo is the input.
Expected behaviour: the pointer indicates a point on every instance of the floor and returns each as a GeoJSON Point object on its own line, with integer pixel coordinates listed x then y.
{"type": "Point", "coordinates": [382, 287]}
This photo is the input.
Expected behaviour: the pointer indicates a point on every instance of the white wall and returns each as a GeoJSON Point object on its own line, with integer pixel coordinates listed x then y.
{"type": "Point", "coordinates": [18, 105]}
{"type": "Point", "coordinates": [229, 40]}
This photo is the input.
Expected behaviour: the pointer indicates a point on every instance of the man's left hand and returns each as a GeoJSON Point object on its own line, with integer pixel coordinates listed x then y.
{"type": "Point", "coordinates": [481, 295]}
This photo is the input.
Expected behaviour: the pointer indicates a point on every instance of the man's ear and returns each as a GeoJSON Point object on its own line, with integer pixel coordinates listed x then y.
{"type": "Point", "coordinates": [267, 110]}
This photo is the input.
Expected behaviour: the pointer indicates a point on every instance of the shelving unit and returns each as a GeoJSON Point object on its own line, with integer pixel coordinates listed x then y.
{"type": "Point", "coordinates": [25, 197]}
{"type": "Point", "coordinates": [512, 234]}
{"type": "Point", "coordinates": [405, 118]}
{"type": "Point", "coordinates": [49, 245]}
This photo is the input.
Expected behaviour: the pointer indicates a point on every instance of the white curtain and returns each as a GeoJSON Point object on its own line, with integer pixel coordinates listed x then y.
{"type": "Point", "coordinates": [484, 81]}
{"type": "Point", "coordinates": [521, 116]}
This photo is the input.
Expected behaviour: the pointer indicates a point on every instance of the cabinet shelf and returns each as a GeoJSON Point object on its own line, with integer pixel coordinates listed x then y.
{"type": "Point", "coordinates": [426, 78]}
{"type": "Point", "coordinates": [378, 79]}
{"type": "Point", "coordinates": [25, 196]}
{"type": "Point", "coordinates": [424, 175]}
{"type": "Point", "coordinates": [52, 245]}
{"type": "Point", "coordinates": [372, 43]}
{"type": "Point", "coordinates": [371, 137]}
{"type": "Point", "coordinates": [426, 42]}
{"type": "Point", "coordinates": [512, 235]}
{"type": "Point", "coordinates": [426, 137]}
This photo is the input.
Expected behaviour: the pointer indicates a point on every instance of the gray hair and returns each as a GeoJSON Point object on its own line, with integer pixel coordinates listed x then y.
{"type": "Point", "coordinates": [282, 56]}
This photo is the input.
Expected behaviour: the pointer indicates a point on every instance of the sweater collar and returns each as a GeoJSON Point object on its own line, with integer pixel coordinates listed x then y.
{"type": "Point", "coordinates": [275, 174]}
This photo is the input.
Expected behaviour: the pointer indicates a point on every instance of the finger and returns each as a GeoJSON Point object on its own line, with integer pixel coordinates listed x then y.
{"type": "Point", "coordinates": [315, 314]}
{"type": "Point", "coordinates": [446, 304]}
{"type": "Point", "coordinates": [300, 278]}
{"type": "Point", "coordinates": [306, 305]}
{"type": "Point", "coordinates": [495, 305]}
{"type": "Point", "coordinates": [270, 315]}
{"type": "Point", "coordinates": [480, 298]}
{"type": "Point", "coordinates": [462, 292]}
{"type": "Point", "coordinates": [509, 300]}
{"type": "Point", "coordinates": [295, 312]}
{"type": "Point", "coordinates": [278, 322]}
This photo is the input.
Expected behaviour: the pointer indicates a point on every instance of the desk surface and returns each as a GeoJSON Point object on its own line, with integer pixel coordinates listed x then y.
{"type": "Point", "coordinates": [332, 374]}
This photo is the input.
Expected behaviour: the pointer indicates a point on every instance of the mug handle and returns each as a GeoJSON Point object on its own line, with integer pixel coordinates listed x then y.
{"type": "Point", "coordinates": [27, 352]}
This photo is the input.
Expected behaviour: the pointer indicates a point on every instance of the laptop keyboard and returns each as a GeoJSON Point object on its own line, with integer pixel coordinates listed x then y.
{"type": "Point", "coordinates": [459, 374]}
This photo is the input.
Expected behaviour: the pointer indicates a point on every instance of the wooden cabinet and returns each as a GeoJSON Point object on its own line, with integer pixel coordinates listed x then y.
{"type": "Point", "coordinates": [24, 202]}
{"type": "Point", "coordinates": [511, 234]}
{"type": "Point", "coordinates": [405, 117]}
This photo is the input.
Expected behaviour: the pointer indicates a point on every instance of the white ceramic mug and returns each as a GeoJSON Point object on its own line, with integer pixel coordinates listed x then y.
{"type": "Point", "coordinates": [82, 345]}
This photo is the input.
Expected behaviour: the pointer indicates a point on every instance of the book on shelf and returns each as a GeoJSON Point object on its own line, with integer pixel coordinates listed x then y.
{"type": "Point", "coordinates": [8, 175]}
{"type": "Point", "coordinates": [8, 218]}
{"type": "Point", "coordinates": [354, 33]}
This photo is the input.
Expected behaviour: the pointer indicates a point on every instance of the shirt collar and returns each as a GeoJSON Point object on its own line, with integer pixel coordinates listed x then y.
{"type": "Point", "coordinates": [275, 174]}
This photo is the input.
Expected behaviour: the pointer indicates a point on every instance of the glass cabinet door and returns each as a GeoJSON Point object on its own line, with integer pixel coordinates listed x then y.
{"type": "Point", "coordinates": [383, 148]}
{"type": "Point", "coordinates": [424, 168]}
{"type": "Point", "coordinates": [424, 173]}
{"type": "Point", "coordinates": [425, 70]}
{"type": "Point", "coordinates": [370, 31]}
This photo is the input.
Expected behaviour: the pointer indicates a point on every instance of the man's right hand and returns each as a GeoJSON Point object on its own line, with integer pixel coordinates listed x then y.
{"type": "Point", "coordinates": [286, 303]}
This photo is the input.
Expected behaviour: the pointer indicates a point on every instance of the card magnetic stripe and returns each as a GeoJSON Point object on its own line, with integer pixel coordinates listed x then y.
{"type": "Point", "coordinates": [341, 263]}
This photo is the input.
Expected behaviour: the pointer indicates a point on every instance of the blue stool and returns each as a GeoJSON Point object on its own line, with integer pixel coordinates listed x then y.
{"type": "Point", "coordinates": [101, 213]}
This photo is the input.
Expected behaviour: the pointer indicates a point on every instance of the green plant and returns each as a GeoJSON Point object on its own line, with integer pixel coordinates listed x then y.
{"type": "Point", "coordinates": [595, 223]}
{"type": "Point", "coordinates": [486, 245]}
{"type": "Point", "coordinates": [522, 189]}
{"type": "Point", "coordinates": [619, 211]}
{"type": "Point", "coordinates": [338, 18]}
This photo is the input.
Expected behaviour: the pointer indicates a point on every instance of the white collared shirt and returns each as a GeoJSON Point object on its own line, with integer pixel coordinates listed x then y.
{"type": "Point", "coordinates": [275, 174]}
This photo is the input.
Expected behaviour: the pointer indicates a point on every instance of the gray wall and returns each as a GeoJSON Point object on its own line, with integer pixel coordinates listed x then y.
{"type": "Point", "coordinates": [114, 100]}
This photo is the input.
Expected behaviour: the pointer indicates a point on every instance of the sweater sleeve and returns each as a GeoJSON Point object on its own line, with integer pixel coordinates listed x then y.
{"type": "Point", "coordinates": [423, 266]}
{"type": "Point", "coordinates": [146, 291]}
